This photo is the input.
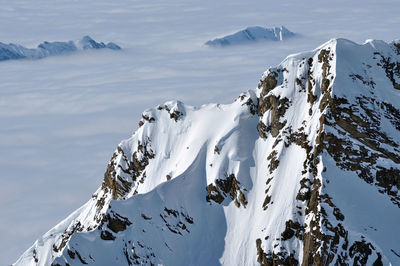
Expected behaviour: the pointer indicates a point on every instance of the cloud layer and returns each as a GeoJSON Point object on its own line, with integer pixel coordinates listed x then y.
{"type": "Point", "coordinates": [62, 117]}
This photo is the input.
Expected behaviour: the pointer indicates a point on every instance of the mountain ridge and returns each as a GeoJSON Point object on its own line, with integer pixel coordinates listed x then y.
{"type": "Point", "coordinates": [300, 170]}
{"type": "Point", "coordinates": [13, 51]}
{"type": "Point", "coordinates": [251, 35]}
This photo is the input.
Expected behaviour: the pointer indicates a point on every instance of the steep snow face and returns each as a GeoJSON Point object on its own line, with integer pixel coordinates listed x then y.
{"type": "Point", "coordinates": [253, 34]}
{"type": "Point", "coordinates": [15, 51]}
{"type": "Point", "coordinates": [302, 170]}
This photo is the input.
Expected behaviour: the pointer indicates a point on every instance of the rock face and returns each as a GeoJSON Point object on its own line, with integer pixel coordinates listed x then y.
{"type": "Point", "coordinates": [305, 169]}
{"type": "Point", "coordinates": [251, 35]}
{"type": "Point", "coordinates": [14, 51]}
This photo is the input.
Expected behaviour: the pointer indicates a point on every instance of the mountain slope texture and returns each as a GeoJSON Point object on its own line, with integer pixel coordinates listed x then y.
{"type": "Point", "coordinates": [251, 35]}
{"type": "Point", "coordinates": [303, 170]}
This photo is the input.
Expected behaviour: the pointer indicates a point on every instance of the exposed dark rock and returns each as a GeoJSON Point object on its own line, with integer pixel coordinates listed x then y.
{"type": "Point", "coordinates": [66, 236]}
{"type": "Point", "coordinates": [116, 222]}
{"type": "Point", "coordinates": [80, 257]}
{"type": "Point", "coordinates": [173, 114]}
{"type": "Point", "coordinates": [148, 119]}
{"type": "Point", "coordinates": [266, 202]}
{"type": "Point", "coordinates": [301, 85]}
{"type": "Point", "coordinates": [176, 222]}
{"type": "Point", "coordinates": [34, 254]}
{"type": "Point", "coordinates": [134, 168]}
{"type": "Point", "coordinates": [362, 123]}
{"type": "Point", "coordinates": [274, 162]}
{"type": "Point", "coordinates": [263, 130]}
{"type": "Point", "coordinates": [305, 191]}
{"type": "Point", "coordinates": [391, 113]}
{"type": "Point", "coordinates": [105, 235]}
{"type": "Point", "coordinates": [293, 229]}
{"type": "Point", "coordinates": [392, 69]}
{"type": "Point", "coordinates": [388, 179]}
{"type": "Point", "coordinates": [270, 259]}
{"type": "Point", "coordinates": [371, 84]}
{"type": "Point", "coordinates": [278, 108]}
{"type": "Point", "coordinates": [145, 217]}
{"type": "Point", "coordinates": [360, 251]}
{"type": "Point", "coordinates": [223, 188]}
{"type": "Point", "coordinates": [216, 149]}
{"type": "Point", "coordinates": [214, 194]}
{"type": "Point", "coordinates": [252, 106]}
{"type": "Point", "coordinates": [71, 254]}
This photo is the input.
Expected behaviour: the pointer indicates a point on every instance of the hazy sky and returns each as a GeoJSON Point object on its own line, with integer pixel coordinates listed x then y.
{"type": "Point", "coordinates": [62, 117]}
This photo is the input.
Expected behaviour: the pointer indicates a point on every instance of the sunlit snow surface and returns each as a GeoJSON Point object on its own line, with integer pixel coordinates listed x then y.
{"type": "Point", "coordinates": [62, 117]}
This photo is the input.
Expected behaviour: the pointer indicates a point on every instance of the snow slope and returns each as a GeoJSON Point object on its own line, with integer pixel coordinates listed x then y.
{"type": "Point", "coordinates": [303, 169]}
{"type": "Point", "coordinates": [253, 34]}
{"type": "Point", "coordinates": [15, 51]}
{"type": "Point", "coordinates": [76, 108]}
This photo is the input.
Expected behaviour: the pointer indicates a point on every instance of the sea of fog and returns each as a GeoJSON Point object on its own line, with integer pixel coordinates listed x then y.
{"type": "Point", "coordinates": [62, 117]}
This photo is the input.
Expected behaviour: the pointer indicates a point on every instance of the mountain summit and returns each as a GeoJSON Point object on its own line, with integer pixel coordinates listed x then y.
{"type": "Point", "coordinates": [304, 169]}
{"type": "Point", "coordinates": [251, 35]}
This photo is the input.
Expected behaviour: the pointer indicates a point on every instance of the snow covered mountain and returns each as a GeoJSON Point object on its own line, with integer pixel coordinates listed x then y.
{"type": "Point", "coordinates": [304, 169]}
{"type": "Point", "coordinates": [253, 34]}
{"type": "Point", "coordinates": [15, 51]}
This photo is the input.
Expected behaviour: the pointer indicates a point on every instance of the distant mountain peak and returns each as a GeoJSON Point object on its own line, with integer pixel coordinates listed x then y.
{"type": "Point", "coordinates": [87, 43]}
{"type": "Point", "coordinates": [304, 169]}
{"type": "Point", "coordinates": [14, 51]}
{"type": "Point", "coordinates": [253, 34]}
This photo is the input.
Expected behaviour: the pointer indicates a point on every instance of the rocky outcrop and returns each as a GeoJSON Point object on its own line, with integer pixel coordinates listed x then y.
{"type": "Point", "coordinates": [303, 170]}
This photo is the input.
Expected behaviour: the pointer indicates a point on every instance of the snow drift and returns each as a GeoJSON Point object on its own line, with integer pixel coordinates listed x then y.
{"type": "Point", "coordinates": [15, 51]}
{"type": "Point", "coordinates": [253, 34]}
{"type": "Point", "coordinates": [304, 169]}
